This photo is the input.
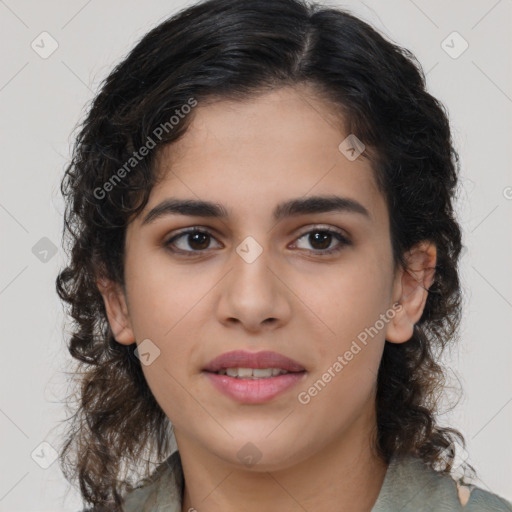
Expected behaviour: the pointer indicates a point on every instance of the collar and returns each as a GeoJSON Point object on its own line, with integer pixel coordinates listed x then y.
{"type": "Point", "coordinates": [409, 486]}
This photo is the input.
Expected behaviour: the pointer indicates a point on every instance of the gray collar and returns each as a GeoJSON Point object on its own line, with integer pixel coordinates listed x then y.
{"type": "Point", "coordinates": [409, 486]}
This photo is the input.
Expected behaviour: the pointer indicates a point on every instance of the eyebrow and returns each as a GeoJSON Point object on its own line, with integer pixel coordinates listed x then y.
{"type": "Point", "coordinates": [290, 208]}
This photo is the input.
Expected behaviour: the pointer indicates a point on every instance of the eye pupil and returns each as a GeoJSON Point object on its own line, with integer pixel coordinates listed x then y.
{"type": "Point", "coordinates": [321, 236]}
{"type": "Point", "coordinates": [195, 237]}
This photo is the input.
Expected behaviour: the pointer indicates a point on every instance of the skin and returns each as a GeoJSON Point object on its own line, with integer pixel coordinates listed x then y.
{"type": "Point", "coordinates": [249, 156]}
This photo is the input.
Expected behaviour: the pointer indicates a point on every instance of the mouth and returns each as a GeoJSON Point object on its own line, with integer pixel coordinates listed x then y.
{"type": "Point", "coordinates": [253, 378]}
{"type": "Point", "coordinates": [253, 373]}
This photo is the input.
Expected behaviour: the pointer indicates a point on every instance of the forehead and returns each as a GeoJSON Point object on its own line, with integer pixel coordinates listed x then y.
{"type": "Point", "coordinates": [252, 154]}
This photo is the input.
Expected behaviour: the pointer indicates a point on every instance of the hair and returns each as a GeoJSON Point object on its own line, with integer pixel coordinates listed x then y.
{"type": "Point", "coordinates": [226, 49]}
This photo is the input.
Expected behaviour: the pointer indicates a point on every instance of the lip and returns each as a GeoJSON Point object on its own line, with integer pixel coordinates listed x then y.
{"type": "Point", "coordinates": [253, 391]}
{"type": "Point", "coordinates": [244, 359]}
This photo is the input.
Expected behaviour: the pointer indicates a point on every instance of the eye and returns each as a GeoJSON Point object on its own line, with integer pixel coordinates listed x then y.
{"type": "Point", "coordinates": [196, 239]}
{"type": "Point", "coordinates": [193, 241]}
{"type": "Point", "coordinates": [323, 238]}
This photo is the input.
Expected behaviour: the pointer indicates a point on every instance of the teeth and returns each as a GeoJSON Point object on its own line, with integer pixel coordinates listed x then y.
{"type": "Point", "coordinates": [262, 372]}
{"type": "Point", "coordinates": [252, 373]}
{"type": "Point", "coordinates": [242, 372]}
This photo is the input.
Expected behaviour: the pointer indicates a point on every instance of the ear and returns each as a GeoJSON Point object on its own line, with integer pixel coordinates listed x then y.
{"type": "Point", "coordinates": [410, 289]}
{"type": "Point", "coordinates": [117, 310]}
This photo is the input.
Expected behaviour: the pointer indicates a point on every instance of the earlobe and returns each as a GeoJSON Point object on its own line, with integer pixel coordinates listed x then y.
{"type": "Point", "coordinates": [117, 311]}
{"type": "Point", "coordinates": [410, 289]}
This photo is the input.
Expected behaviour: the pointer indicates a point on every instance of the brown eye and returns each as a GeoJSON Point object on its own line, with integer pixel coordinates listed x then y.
{"type": "Point", "coordinates": [194, 241]}
{"type": "Point", "coordinates": [190, 241]}
{"type": "Point", "coordinates": [198, 241]}
{"type": "Point", "coordinates": [321, 240]}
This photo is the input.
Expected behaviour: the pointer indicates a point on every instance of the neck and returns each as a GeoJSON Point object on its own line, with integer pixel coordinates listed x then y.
{"type": "Point", "coordinates": [345, 475]}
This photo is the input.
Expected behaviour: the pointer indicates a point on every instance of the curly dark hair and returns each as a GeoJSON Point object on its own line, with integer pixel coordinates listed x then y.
{"type": "Point", "coordinates": [227, 49]}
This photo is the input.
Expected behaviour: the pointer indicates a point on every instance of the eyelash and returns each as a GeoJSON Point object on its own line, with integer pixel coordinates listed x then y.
{"type": "Point", "coordinates": [337, 235]}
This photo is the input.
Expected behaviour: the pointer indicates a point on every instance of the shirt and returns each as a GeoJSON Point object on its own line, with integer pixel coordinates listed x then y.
{"type": "Point", "coordinates": [409, 486]}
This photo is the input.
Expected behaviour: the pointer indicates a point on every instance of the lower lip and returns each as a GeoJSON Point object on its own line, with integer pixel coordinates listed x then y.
{"type": "Point", "coordinates": [254, 391]}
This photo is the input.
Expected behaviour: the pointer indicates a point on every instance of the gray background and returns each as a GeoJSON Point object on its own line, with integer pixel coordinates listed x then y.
{"type": "Point", "coordinates": [41, 101]}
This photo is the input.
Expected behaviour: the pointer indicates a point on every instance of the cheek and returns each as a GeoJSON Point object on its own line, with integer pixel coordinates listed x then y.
{"type": "Point", "coordinates": [346, 301]}
{"type": "Point", "coordinates": [164, 303]}
{"type": "Point", "coordinates": [169, 377]}
{"type": "Point", "coordinates": [171, 391]}
{"type": "Point", "coordinates": [337, 405]}
{"type": "Point", "coordinates": [161, 298]}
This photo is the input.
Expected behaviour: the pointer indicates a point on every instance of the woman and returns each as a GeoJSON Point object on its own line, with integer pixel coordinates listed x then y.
{"type": "Point", "coordinates": [263, 271]}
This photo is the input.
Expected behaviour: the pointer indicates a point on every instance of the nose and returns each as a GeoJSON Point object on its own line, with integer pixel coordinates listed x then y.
{"type": "Point", "coordinates": [254, 296]}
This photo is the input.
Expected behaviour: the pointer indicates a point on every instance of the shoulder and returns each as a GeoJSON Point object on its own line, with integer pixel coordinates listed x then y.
{"type": "Point", "coordinates": [410, 485]}
{"type": "Point", "coordinates": [479, 499]}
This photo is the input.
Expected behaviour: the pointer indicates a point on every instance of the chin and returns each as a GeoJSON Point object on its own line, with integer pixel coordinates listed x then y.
{"type": "Point", "coordinates": [259, 453]}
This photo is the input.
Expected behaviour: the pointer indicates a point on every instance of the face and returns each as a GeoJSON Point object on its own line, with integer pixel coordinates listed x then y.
{"type": "Point", "coordinates": [313, 283]}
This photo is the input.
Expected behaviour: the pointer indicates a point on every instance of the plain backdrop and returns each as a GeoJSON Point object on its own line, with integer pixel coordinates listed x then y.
{"type": "Point", "coordinates": [43, 99]}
